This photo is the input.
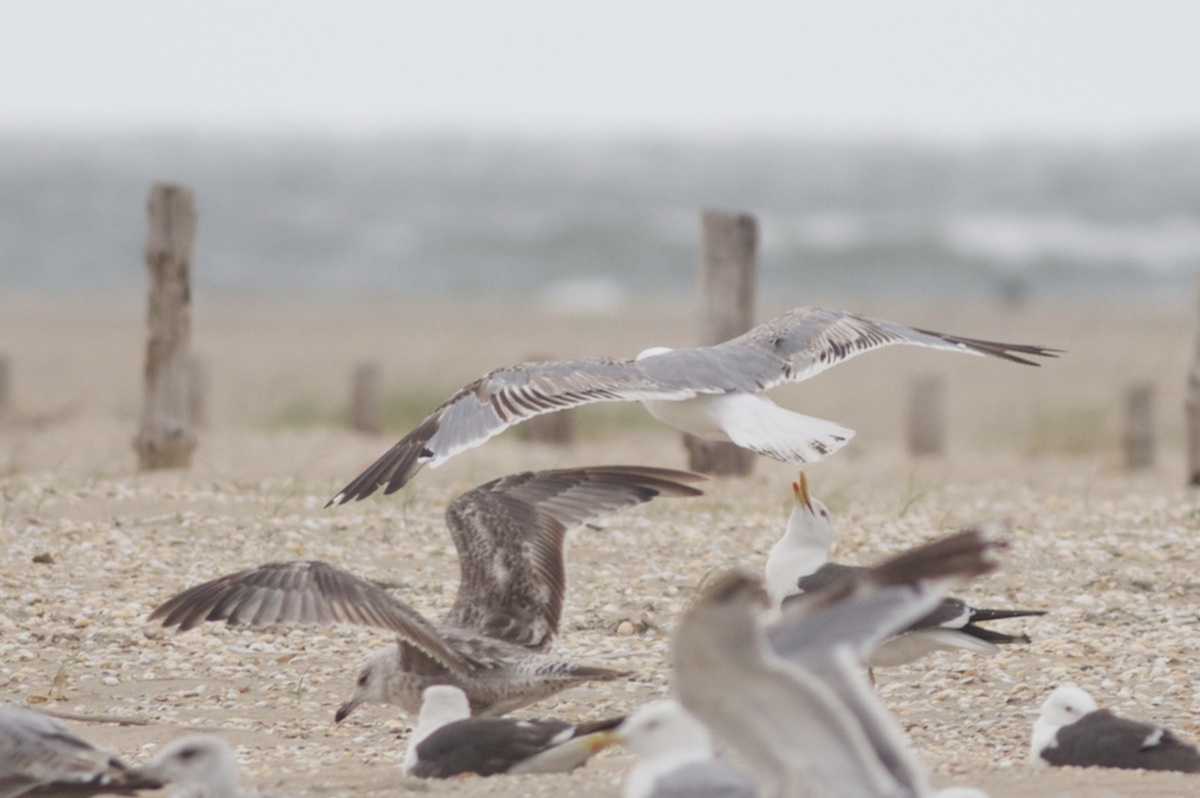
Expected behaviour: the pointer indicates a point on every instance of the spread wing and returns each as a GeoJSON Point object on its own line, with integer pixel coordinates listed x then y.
{"type": "Point", "coordinates": [303, 592]}
{"type": "Point", "coordinates": [792, 347]}
{"type": "Point", "coordinates": [510, 532]}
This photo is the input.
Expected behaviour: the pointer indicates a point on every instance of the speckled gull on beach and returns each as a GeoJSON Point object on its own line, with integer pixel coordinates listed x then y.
{"type": "Point", "coordinates": [510, 535]}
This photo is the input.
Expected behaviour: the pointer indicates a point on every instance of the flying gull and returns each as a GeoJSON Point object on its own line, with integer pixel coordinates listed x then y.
{"type": "Point", "coordinates": [798, 565]}
{"type": "Point", "coordinates": [676, 758]}
{"type": "Point", "coordinates": [794, 701]}
{"type": "Point", "coordinates": [1071, 731]}
{"type": "Point", "coordinates": [492, 643]}
{"type": "Point", "coordinates": [448, 742]}
{"type": "Point", "coordinates": [715, 392]}
{"type": "Point", "coordinates": [41, 756]}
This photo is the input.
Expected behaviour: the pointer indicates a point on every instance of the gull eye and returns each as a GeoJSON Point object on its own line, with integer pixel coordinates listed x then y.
{"type": "Point", "coordinates": [189, 753]}
{"type": "Point", "coordinates": [362, 680]}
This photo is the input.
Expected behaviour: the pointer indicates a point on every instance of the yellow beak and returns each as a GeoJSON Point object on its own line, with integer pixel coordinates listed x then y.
{"type": "Point", "coordinates": [801, 490]}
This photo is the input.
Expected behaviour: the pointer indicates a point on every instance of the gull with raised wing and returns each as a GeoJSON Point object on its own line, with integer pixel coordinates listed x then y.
{"type": "Point", "coordinates": [509, 534]}
{"type": "Point", "coordinates": [793, 699]}
{"type": "Point", "coordinates": [715, 392]}
{"type": "Point", "coordinates": [798, 564]}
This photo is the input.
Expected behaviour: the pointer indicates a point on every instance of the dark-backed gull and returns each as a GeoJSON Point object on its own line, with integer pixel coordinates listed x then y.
{"type": "Point", "coordinates": [448, 742]}
{"type": "Point", "coordinates": [1070, 730]}
{"type": "Point", "coordinates": [41, 756]}
{"type": "Point", "coordinates": [798, 564]}
{"type": "Point", "coordinates": [676, 758]}
{"type": "Point", "coordinates": [715, 392]}
{"type": "Point", "coordinates": [795, 703]}
{"type": "Point", "coordinates": [509, 534]}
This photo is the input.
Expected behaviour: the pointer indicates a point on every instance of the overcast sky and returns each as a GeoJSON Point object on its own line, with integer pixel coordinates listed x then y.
{"type": "Point", "coordinates": [939, 69]}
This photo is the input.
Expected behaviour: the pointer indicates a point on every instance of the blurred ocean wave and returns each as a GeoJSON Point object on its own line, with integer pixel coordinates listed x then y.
{"type": "Point", "coordinates": [464, 217]}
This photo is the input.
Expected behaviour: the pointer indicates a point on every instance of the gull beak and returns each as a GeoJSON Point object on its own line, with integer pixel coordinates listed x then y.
{"type": "Point", "coordinates": [801, 490]}
{"type": "Point", "coordinates": [344, 710]}
{"type": "Point", "coordinates": [598, 741]}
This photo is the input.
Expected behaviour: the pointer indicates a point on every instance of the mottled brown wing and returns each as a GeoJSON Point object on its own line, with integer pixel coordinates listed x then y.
{"type": "Point", "coordinates": [509, 534]}
{"type": "Point", "coordinates": [303, 592]}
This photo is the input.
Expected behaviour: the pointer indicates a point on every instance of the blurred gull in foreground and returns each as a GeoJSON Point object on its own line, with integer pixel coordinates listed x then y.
{"type": "Point", "coordinates": [798, 566]}
{"type": "Point", "coordinates": [41, 756]}
{"type": "Point", "coordinates": [795, 703]}
{"type": "Point", "coordinates": [675, 757]}
{"type": "Point", "coordinates": [1070, 730]}
{"type": "Point", "coordinates": [715, 392]}
{"type": "Point", "coordinates": [510, 535]}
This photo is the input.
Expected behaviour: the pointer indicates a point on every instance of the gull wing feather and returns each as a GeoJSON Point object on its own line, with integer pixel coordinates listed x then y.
{"type": "Point", "coordinates": [510, 534]}
{"type": "Point", "coordinates": [303, 592]}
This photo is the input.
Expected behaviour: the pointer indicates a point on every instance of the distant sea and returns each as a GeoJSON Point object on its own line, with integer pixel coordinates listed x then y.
{"type": "Point", "coordinates": [596, 223]}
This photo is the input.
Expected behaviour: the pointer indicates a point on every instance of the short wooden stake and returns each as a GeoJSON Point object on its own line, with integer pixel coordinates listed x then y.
{"type": "Point", "coordinates": [1139, 426]}
{"type": "Point", "coordinates": [927, 416]}
{"type": "Point", "coordinates": [165, 438]}
{"type": "Point", "coordinates": [366, 413]}
{"type": "Point", "coordinates": [728, 276]}
{"type": "Point", "coordinates": [5, 386]}
{"type": "Point", "coordinates": [1192, 412]}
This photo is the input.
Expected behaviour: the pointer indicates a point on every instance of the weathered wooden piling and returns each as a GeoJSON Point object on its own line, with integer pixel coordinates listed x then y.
{"type": "Point", "coordinates": [165, 437]}
{"type": "Point", "coordinates": [728, 277]}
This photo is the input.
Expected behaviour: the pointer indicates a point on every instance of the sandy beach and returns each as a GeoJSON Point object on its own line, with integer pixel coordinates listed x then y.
{"type": "Point", "coordinates": [88, 546]}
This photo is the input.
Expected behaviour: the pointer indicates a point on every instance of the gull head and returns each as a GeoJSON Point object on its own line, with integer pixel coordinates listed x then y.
{"type": "Point", "coordinates": [373, 682]}
{"type": "Point", "coordinates": [1065, 705]}
{"type": "Point", "coordinates": [199, 765]}
{"type": "Point", "coordinates": [664, 727]}
{"type": "Point", "coordinates": [804, 546]}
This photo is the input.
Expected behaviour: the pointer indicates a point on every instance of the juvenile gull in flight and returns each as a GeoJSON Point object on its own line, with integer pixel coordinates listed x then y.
{"type": "Point", "coordinates": [509, 534]}
{"type": "Point", "coordinates": [41, 756]}
{"type": "Point", "coordinates": [715, 392]}
{"type": "Point", "coordinates": [676, 758]}
{"type": "Point", "coordinates": [1071, 731]}
{"type": "Point", "coordinates": [798, 565]}
{"type": "Point", "coordinates": [448, 742]}
{"type": "Point", "coordinates": [794, 701]}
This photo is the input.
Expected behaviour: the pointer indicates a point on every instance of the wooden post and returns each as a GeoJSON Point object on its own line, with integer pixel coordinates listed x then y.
{"type": "Point", "coordinates": [1192, 408]}
{"type": "Point", "coordinates": [5, 386]}
{"type": "Point", "coordinates": [165, 438]}
{"type": "Point", "coordinates": [556, 429]}
{"type": "Point", "coordinates": [1139, 426]}
{"type": "Point", "coordinates": [728, 275]}
{"type": "Point", "coordinates": [366, 412]}
{"type": "Point", "coordinates": [927, 416]}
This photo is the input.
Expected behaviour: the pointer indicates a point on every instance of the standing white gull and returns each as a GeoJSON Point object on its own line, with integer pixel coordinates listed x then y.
{"type": "Point", "coordinates": [509, 534]}
{"type": "Point", "coordinates": [795, 702]}
{"type": "Point", "coordinates": [1071, 731]}
{"type": "Point", "coordinates": [448, 742]}
{"type": "Point", "coordinates": [798, 564]}
{"type": "Point", "coordinates": [715, 392]}
{"type": "Point", "coordinates": [41, 756]}
{"type": "Point", "coordinates": [676, 758]}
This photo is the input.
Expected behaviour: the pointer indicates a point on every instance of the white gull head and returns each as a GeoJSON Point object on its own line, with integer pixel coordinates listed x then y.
{"type": "Point", "coordinates": [804, 546]}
